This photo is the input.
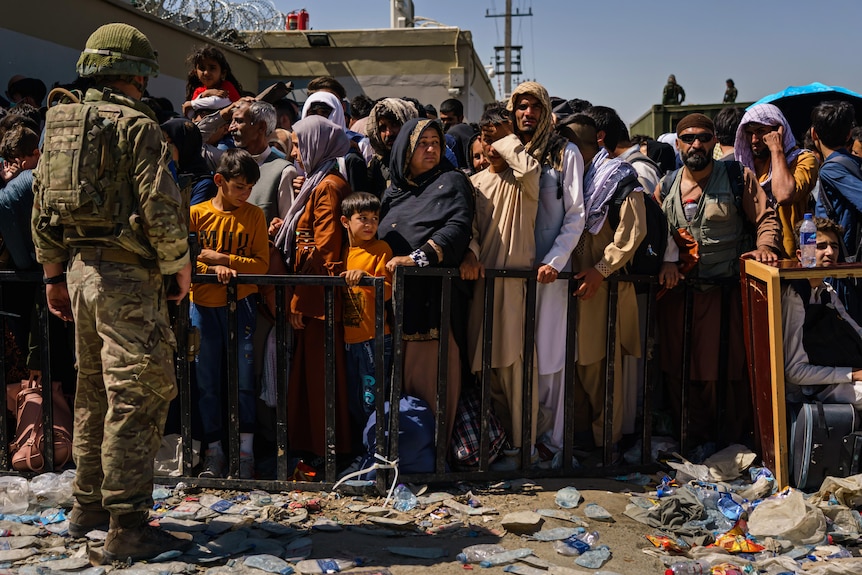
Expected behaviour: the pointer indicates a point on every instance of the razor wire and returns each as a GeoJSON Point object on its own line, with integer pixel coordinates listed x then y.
{"type": "Point", "coordinates": [237, 24]}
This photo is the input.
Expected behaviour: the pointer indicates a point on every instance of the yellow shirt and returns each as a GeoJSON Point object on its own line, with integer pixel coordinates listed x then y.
{"type": "Point", "coordinates": [242, 234]}
{"type": "Point", "coordinates": [359, 308]}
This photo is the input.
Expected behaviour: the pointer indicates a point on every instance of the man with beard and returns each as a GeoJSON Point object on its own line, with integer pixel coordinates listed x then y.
{"type": "Point", "coordinates": [730, 217]}
{"type": "Point", "coordinates": [384, 122]}
{"type": "Point", "coordinates": [765, 144]}
{"type": "Point", "coordinates": [559, 223]}
{"type": "Point", "coordinates": [821, 340]}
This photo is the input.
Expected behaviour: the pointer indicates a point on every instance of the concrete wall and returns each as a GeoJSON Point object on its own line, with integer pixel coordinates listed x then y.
{"type": "Point", "coordinates": [43, 39]}
{"type": "Point", "coordinates": [412, 62]}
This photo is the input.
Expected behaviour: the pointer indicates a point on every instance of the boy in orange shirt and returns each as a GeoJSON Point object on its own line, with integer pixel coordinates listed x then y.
{"type": "Point", "coordinates": [233, 239]}
{"type": "Point", "coordinates": [366, 255]}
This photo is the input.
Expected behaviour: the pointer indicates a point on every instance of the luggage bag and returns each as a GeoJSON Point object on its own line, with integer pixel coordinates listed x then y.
{"type": "Point", "coordinates": [822, 442]}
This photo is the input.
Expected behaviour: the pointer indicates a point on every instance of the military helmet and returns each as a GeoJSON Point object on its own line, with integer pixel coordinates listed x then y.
{"type": "Point", "coordinates": [118, 50]}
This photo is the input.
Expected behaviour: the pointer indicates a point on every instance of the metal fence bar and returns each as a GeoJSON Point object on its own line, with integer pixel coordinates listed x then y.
{"type": "Point", "coordinates": [569, 376]}
{"type": "Point", "coordinates": [232, 382]}
{"type": "Point", "coordinates": [649, 373]}
{"type": "Point", "coordinates": [282, 334]}
{"type": "Point", "coordinates": [442, 445]}
{"type": "Point", "coordinates": [485, 382]}
{"type": "Point", "coordinates": [610, 373]}
{"type": "Point", "coordinates": [329, 384]}
{"type": "Point", "coordinates": [380, 376]}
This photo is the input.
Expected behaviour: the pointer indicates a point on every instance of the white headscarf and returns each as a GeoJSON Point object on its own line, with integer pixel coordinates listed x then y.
{"type": "Point", "coordinates": [337, 115]}
{"type": "Point", "coordinates": [768, 115]}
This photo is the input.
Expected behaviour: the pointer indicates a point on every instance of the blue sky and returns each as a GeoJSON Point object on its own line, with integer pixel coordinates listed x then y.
{"type": "Point", "coordinates": [619, 54]}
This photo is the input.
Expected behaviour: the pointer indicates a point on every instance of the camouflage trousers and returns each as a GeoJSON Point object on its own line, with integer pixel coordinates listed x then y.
{"type": "Point", "coordinates": [126, 380]}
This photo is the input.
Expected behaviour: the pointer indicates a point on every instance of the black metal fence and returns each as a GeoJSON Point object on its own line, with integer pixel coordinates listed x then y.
{"type": "Point", "coordinates": [387, 439]}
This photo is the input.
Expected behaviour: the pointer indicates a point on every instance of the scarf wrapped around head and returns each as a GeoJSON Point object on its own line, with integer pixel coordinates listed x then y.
{"type": "Point", "coordinates": [600, 183]}
{"type": "Point", "coordinates": [402, 151]}
{"type": "Point", "coordinates": [320, 143]}
{"type": "Point", "coordinates": [545, 145]}
{"type": "Point", "coordinates": [768, 115]}
{"type": "Point", "coordinates": [337, 114]}
{"type": "Point", "coordinates": [401, 109]}
{"type": "Point", "coordinates": [187, 138]}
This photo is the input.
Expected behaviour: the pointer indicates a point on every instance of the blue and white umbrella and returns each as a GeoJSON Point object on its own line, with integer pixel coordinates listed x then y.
{"type": "Point", "coordinates": [796, 102]}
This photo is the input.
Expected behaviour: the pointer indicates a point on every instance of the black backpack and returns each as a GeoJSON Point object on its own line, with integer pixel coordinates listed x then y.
{"type": "Point", "coordinates": [649, 254]}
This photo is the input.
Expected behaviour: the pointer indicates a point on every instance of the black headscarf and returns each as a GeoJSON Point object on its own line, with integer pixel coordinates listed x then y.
{"type": "Point", "coordinates": [187, 138]}
{"type": "Point", "coordinates": [436, 205]}
{"type": "Point", "coordinates": [463, 134]}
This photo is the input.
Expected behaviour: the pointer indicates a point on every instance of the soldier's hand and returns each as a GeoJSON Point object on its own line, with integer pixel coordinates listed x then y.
{"type": "Point", "coordinates": [58, 300]}
{"type": "Point", "coordinates": [183, 282]}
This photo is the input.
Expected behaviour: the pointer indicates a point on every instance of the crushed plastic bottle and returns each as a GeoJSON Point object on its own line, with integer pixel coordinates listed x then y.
{"type": "Point", "coordinates": [597, 512]}
{"type": "Point", "coordinates": [52, 490]}
{"type": "Point", "coordinates": [14, 495]}
{"type": "Point", "coordinates": [476, 553]}
{"type": "Point", "coordinates": [505, 557]}
{"type": "Point", "coordinates": [311, 566]}
{"type": "Point", "coordinates": [403, 499]}
{"type": "Point", "coordinates": [594, 558]}
{"type": "Point", "coordinates": [698, 567]}
{"type": "Point", "coordinates": [568, 497]}
{"type": "Point", "coordinates": [269, 563]}
{"type": "Point", "coordinates": [728, 507]}
{"type": "Point", "coordinates": [664, 488]}
{"type": "Point", "coordinates": [576, 544]}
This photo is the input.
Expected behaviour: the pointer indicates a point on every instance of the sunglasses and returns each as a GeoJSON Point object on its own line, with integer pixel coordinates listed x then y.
{"type": "Point", "coordinates": [703, 137]}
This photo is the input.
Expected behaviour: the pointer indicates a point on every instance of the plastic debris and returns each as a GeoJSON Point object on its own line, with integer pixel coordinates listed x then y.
{"type": "Point", "coordinates": [567, 498]}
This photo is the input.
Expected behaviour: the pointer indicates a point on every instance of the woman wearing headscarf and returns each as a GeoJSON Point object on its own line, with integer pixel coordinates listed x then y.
{"type": "Point", "coordinates": [426, 217]}
{"type": "Point", "coordinates": [384, 124]}
{"type": "Point", "coordinates": [329, 106]}
{"type": "Point", "coordinates": [192, 169]}
{"type": "Point", "coordinates": [311, 240]}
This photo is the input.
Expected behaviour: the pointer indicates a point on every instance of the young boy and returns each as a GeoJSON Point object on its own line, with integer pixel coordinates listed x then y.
{"type": "Point", "coordinates": [366, 255]}
{"type": "Point", "coordinates": [507, 200]}
{"type": "Point", "coordinates": [233, 239]}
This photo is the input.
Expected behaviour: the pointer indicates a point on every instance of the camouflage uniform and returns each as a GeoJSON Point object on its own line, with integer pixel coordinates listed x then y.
{"type": "Point", "coordinates": [123, 339]}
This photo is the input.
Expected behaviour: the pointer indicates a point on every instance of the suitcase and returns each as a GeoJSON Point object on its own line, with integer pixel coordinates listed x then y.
{"type": "Point", "coordinates": [821, 439]}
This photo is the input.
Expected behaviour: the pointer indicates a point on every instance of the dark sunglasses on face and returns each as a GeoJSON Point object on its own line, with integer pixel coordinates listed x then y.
{"type": "Point", "coordinates": [703, 137]}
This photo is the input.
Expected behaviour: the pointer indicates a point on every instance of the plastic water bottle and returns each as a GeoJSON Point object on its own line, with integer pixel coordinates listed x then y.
{"type": "Point", "coordinates": [477, 553]}
{"type": "Point", "coordinates": [269, 563]}
{"type": "Point", "coordinates": [576, 544]}
{"type": "Point", "coordinates": [403, 498]}
{"type": "Point", "coordinates": [309, 566]}
{"type": "Point", "coordinates": [568, 497]}
{"type": "Point", "coordinates": [506, 557]}
{"type": "Point", "coordinates": [594, 558]}
{"type": "Point", "coordinates": [689, 209]}
{"type": "Point", "coordinates": [728, 507]}
{"type": "Point", "coordinates": [698, 567]}
{"type": "Point", "coordinates": [808, 242]}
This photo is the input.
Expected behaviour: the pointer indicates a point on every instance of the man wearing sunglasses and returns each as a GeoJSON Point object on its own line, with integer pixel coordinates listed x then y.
{"type": "Point", "coordinates": [724, 208]}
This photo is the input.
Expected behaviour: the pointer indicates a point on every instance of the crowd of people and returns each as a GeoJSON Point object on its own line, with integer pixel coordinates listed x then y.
{"type": "Point", "coordinates": [358, 187]}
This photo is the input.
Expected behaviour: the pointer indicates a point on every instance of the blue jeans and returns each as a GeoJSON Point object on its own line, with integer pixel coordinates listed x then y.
{"type": "Point", "coordinates": [361, 374]}
{"type": "Point", "coordinates": [211, 378]}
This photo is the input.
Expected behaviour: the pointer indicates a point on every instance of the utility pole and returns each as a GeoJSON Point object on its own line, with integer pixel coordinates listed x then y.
{"type": "Point", "coordinates": [509, 64]}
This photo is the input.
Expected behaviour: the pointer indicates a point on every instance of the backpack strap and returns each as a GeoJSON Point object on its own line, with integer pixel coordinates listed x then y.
{"type": "Point", "coordinates": [667, 183]}
{"type": "Point", "coordinates": [625, 187]}
{"type": "Point", "coordinates": [736, 175]}
{"type": "Point", "coordinates": [824, 199]}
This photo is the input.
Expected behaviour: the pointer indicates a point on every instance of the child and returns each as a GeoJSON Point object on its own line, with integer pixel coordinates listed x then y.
{"type": "Point", "coordinates": [233, 238]}
{"type": "Point", "coordinates": [366, 255]}
{"type": "Point", "coordinates": [209, 80]}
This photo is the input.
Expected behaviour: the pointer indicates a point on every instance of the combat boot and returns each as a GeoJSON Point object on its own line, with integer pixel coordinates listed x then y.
{"type": "Point", "coordinates": [130, 537]}
{"type": "Point", "coordinates": [85, 518]}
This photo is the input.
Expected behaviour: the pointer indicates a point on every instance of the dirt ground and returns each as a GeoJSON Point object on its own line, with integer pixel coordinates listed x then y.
{"type": "Point", "coordinates": [625, 537]}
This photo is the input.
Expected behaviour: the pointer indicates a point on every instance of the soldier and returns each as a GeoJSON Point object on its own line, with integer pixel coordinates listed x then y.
{"type": "Point", "coordinates": [104, 262]}
{"type": "Point", "coordinates": [673, 94]}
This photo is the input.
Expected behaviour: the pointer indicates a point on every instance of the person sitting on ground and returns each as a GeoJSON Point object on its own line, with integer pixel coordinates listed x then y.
{"type": "Point", "coordinates": [822, 343]}
{"type": "Point", "coordinates": [233, 239]}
